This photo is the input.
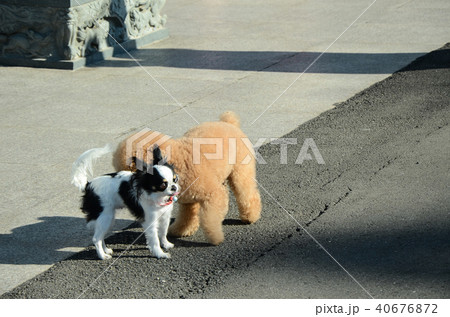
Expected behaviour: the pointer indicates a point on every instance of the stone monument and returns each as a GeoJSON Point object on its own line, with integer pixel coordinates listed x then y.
{"type": "Point", "coordinates": [69, 34]}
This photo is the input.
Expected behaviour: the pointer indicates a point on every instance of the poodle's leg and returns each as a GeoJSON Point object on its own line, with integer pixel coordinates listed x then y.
{"type": "Point", "coordinates": [212, 214]}
{"type": "Point", "coordinates": [243, 184]}
{"type": "Point", "coordinates": [187, 221]}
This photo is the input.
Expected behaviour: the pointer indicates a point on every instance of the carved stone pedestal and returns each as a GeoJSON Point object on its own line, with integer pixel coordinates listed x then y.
{"type": "Point", "coordinates": [69, 34]}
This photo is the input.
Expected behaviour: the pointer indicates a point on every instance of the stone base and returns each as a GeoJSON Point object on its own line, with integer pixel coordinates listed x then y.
{"type": "Point", "coordinates": [81, 62]}
{"type": "Point", "coordinates": [69, 34]}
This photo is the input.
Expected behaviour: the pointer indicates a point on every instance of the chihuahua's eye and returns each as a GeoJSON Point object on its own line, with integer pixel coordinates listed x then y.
{"type": "Point", "coordinates": [175, 178]}
{"type": "Point", "coordinates": [164, 186]}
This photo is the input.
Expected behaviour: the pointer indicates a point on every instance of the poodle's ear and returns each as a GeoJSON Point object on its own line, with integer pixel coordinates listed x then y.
{"type": "Point", "coordinates": [158, 159]}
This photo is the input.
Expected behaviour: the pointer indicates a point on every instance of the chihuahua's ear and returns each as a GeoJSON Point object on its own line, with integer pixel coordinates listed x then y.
{"type": "Point", "coordinates": [158, 159]}
{"type": "Point", "coordinates": [141, 170]}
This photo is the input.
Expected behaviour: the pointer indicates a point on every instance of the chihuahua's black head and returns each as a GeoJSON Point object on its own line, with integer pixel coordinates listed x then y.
{"type": "Point", "coordinates": [159, 177]}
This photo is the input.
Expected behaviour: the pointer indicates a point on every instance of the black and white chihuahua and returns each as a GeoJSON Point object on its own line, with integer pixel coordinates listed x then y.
{"type": "Point", "coordinates": [148, 194]}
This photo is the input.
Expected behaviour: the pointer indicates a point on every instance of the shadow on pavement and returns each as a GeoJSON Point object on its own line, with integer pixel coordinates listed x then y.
{"type": "Point", "coordinates": [290, 62]}
{"type": "Point", "coordinates": [41, 243]}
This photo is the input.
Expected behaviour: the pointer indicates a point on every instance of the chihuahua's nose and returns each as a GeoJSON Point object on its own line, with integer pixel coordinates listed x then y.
{"type": "Point", "coordinates": [174, 188]}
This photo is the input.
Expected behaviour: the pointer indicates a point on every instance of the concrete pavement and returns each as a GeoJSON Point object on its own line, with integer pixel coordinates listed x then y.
{"type": "Point", "coordinates": [220, 56]}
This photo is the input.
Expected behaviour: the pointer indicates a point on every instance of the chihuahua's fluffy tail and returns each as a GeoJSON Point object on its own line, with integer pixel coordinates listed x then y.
{"type": "Point", "coordinates": [231, 118]}
{"type": "Point", "coordinates": [82, 167]}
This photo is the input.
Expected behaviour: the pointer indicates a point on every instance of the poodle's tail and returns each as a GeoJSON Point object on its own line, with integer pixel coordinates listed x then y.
{"type": "Point", "coordinates": [82, 167]}
{"type": "Point", "coordinates": [231, 118]}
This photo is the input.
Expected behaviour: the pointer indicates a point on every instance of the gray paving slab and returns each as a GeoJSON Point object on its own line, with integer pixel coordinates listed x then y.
{"type": "Point", "coordinates": [220, 56]}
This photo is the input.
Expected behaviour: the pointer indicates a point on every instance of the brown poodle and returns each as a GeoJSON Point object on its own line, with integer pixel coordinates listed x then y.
{"type": "Point", "coordinates": [204, 170]}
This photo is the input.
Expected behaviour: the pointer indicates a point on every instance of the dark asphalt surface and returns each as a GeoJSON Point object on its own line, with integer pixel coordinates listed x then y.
{"type": "Point", "coordinates": [380, 205]}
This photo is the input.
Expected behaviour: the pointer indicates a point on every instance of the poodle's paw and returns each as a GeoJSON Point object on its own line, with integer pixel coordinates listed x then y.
{"type": "Point", "coordinates": [177, 231]}
{"type": "Point", "coordinates": [215, 238]}
{"type": "Point", "coordinates": [250, 217]}
{"type": "Point", "coordinates": [250, 211]}
{"type": "Point", "coordinates": [109, 251]}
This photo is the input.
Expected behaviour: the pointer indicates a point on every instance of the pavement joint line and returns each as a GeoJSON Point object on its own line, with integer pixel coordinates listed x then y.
{"type": "Point", "coordinates": [143, 68]}
{"type": "Point", "coordinates": [127, 248]}
{"type": "Point", "coordinates": [328, 206]}
{"type": "Point", "coordinates": [317, 242]}
{"type": "Point", "coordinates": [312, 63]}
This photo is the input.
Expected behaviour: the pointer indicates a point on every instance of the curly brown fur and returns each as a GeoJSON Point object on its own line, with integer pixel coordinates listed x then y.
{"type": "Point", "coordinates": [205, 199]}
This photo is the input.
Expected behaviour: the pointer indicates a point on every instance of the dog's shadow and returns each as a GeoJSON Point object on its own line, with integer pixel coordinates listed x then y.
{"type": "Point", "coordinates": [54, 239]}
{"type": "Point", "coordinates": [233, 222]}
{"type": "Point", "coordinates": [49, 240]}
{"type": "Point", "coordinates": [131, 242]}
